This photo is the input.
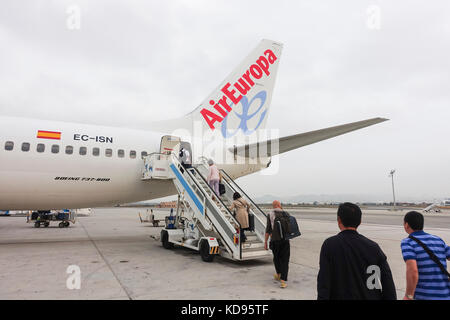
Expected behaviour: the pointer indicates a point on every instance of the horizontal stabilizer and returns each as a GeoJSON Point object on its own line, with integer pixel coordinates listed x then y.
{"type": "Point", "coordinates": [303, 139]}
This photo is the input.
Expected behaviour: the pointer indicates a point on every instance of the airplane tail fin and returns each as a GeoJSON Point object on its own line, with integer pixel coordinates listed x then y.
{"type": "Point", "coordinates": [240, 104]}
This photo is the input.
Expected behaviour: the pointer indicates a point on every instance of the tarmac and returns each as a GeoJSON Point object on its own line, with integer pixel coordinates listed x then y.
{"type": "Point", "coordinates": [121, 258]}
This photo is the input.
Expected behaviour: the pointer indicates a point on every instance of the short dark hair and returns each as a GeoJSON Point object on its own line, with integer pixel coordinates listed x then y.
{"type": "Point", "coordinates": [236, 196]}
{"type": "Point", "coordinates": [350, 214]}
{"type": "Point", "coordinates": [415, 220]}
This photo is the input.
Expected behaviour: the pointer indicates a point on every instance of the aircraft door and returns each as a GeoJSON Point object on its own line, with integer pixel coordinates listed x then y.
{"type": "Point", "coordinates": [170, 144]}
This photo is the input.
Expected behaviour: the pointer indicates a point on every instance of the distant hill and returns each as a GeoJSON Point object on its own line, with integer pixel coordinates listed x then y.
{"type": "Point", "coordinates": [338, 198]}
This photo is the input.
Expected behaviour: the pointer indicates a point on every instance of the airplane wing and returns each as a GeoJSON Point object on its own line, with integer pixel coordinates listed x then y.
{"type": "Point", "coordinates": [303, 139]}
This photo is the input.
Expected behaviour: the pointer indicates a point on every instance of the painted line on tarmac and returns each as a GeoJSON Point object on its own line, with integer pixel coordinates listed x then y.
{"type": "Point", "coordinates": [107, 263]}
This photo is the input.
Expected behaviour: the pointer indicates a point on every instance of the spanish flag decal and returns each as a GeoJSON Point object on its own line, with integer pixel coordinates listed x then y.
{"type": "Point", "coordinates": [49, 135]}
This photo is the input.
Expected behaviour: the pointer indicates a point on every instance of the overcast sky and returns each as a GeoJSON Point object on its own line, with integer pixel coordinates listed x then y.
{"type": "Point", "coordinates": [132, 62]}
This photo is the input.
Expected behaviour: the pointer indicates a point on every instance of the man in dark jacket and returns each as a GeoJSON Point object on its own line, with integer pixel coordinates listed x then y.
{"type": "Point", "coordinates": [352, 266]}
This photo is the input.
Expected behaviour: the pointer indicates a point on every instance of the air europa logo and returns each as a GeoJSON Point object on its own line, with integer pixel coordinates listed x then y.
{"type": "Point", "coordinates": [238, 91]}
{"type": "Point", "coordinates": [246, 115]}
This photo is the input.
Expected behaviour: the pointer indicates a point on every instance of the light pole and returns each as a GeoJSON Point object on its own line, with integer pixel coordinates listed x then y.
{"type": "Point", "coordinates": [391, 174]}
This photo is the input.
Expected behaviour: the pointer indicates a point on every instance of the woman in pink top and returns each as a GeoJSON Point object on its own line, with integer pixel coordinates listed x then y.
{"type": "Point", "coordinates": [213, 177]}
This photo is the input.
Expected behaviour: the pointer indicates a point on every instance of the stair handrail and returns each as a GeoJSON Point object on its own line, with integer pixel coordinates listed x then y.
{"type": "Point", "coordinates": [218, 198]}
{"type": "Point", "coordinates": [206, 196]}
{"type": "Point", "coordinates": [224, 173]}
{"type": "Point", "coordinates": [226, 208]}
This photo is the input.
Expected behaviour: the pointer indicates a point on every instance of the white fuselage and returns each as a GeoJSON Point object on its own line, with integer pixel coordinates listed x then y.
{"type": "Point", "coordinates": [32, 180]}
{"type": "Point", "coordinates": [46, 180]}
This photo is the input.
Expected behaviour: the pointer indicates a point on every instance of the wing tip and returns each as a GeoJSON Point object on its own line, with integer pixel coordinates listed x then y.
{"type": "Point", "coordinates": [377, 120]}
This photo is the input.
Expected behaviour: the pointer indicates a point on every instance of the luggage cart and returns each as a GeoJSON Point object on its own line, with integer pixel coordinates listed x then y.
{"type": "Point", "coordinates": [45, 217]}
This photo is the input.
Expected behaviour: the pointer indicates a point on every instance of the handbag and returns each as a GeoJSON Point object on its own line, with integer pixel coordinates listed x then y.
{"type": "Point", "coordinates": [432, 256]}
{"type": "Point", "coordinates": [251, 222]}
{"type": "Point", "coordinates": [221, 188]}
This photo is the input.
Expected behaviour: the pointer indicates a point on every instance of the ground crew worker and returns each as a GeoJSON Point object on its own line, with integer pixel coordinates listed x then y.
{"type": "Point", "coordinates": [185, 158]}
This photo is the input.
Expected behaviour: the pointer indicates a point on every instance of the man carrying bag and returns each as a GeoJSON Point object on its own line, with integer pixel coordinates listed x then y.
{"type": "Point", "coordinates": [279, 230]}
{"type": "Point", "coordinates": [425, 257]}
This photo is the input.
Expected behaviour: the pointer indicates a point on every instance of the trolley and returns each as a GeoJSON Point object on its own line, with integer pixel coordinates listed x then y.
{"type": "Point", "coordinates": [45, 217]}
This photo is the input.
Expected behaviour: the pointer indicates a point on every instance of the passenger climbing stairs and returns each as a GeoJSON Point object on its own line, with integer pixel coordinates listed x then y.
{"type": "Point", "coordinates": [203, 220]}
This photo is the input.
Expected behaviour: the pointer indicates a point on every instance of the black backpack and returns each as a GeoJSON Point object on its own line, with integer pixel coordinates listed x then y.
{"type": "Point", "coordinates": [287, 226]}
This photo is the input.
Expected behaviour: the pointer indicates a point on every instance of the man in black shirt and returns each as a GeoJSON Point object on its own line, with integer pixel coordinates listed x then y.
{"type": "Point", "coordinates": [352, 266]}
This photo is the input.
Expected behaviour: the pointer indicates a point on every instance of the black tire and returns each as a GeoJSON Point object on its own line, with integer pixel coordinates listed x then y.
{"type": "Point", "coordinates": [204, 251]}
{"type": "Point", "coordinates": [165, 240]}
{"type": "Point", "coordinates": [37, 225]}
{"type": "Point", "coordinates": [66, 224]}
{"type": "Point", "coordinates": [61, 225]}
{"type": "Point", "coordinates": [46, 224]}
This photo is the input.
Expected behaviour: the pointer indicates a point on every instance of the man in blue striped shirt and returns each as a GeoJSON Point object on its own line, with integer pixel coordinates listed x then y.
{"type": "Point", "coordinates": [424, 278]}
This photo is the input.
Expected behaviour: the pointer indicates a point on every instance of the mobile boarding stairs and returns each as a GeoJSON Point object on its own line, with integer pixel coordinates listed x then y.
{"type": "Point", "coordinates": [203, 221]}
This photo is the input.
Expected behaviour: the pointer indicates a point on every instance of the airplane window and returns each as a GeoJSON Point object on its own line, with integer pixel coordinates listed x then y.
{"type": "Point", "coordinates": [83, 151]}
{"type": "Point", "coordinates": [120, 153]}
{"type": "Point", "coordinates": [9, 145]}
{"type": "Point", "coordinates": [25, 146]}
{"type": "Point", "coordinates": [132, 154]}
{"type": "Point", "coordinates": [96, 151]}
{"type": "Point", "coordinates": [143, 153]}
{"type": "Point", "coordinates": [69, 149]}
{"type": "Point", "coordinates": [55, 148]}
{"type": "Point", "coordinates": [40, 147]}
{"type": "Point", "coordinates": [108, 152]}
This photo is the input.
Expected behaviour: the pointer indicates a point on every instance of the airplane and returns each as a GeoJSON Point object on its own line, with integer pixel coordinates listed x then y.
{"type": "Point", "coordinates": [436, 206]}
{"type": "Point", "coordinates": [432, 208]}
{"type": "Point", "coordinates": [49, 165]}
